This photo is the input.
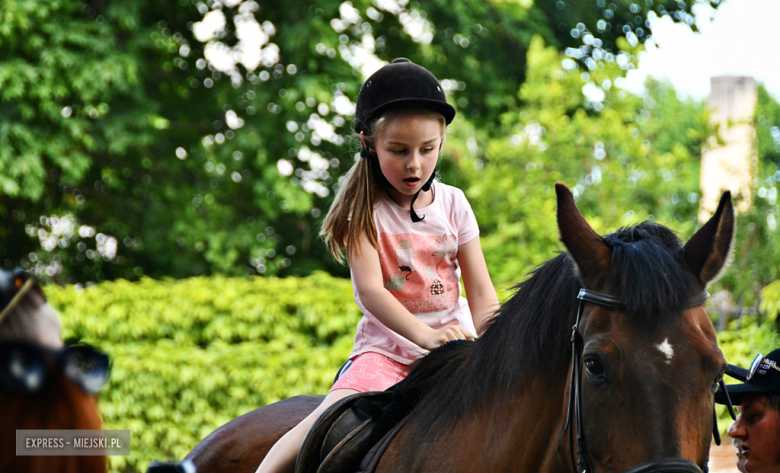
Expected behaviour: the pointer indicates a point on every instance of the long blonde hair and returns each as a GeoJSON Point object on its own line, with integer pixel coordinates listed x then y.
{"type": "Point", "coordinates": [352, 211]}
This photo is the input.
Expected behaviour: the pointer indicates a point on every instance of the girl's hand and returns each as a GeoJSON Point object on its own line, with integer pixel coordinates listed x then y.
{"type": "Point", "coordinates": [436, 338]}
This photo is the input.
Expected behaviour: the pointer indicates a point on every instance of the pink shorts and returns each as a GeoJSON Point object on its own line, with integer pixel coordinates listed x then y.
{"type": "Point", "coordinates": [371, 371]}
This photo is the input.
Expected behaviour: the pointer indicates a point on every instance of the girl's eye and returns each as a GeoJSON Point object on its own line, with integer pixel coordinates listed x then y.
{"type": "Point", "coordinates": [399, 152]}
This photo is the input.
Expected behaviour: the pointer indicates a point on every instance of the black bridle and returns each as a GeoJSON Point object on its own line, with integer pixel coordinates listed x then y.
{"type": "Point", "coordinates": [664, 465]}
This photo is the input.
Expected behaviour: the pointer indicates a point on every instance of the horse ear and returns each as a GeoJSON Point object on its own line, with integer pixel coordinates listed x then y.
{"type": "Point", "coordinates": [708, 252]}
{"type": "Point", "coordinates": [588, 250]}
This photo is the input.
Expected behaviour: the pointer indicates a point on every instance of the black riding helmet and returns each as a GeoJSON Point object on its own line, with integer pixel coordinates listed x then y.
{"type": "Point", "coordinates": [400, 84]}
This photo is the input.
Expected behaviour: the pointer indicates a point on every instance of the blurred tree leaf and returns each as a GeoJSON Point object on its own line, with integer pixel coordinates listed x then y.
{"type": "Point", "coordinates": [626, 157]}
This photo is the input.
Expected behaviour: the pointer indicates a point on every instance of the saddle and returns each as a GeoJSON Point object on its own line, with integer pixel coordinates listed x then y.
{"type": "Point", "coordinates": [342, 436]}
{"type": "Point", "coordinates": [353, 433]}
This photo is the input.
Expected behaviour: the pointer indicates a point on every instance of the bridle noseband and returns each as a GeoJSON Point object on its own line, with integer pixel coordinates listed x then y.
{"type": "Point", "coordinates": [664, 465]}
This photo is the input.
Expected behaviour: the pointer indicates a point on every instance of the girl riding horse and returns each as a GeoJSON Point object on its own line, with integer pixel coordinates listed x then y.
{"type": "Point", "coordinates": [405, 263]}
{"type": "Point", "coordinates": [603, 361]}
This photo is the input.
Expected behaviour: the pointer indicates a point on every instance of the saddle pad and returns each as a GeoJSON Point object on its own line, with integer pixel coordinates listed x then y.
{"type": "Point", "coordinates": [342, 435]}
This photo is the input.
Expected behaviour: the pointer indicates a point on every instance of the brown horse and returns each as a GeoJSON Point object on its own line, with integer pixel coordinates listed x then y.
{"type": "Point", "coordinates": [41, 386]}
{"type": "Point", "coordinates": [644, 363]}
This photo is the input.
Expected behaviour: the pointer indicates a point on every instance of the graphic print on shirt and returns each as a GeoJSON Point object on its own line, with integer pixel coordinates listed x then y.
{"type": "Point", "coordinates": [422, 291]}
{"type": "Point", "coordinates": [405, 255]}
{"type": "Point", "coordinates": [394, 282]}
{"type": "Point", "coordinates": [446, 248]}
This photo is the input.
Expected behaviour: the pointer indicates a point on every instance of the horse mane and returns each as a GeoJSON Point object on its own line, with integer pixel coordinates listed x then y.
{"type": "Point", "coordinates": [528, 341]}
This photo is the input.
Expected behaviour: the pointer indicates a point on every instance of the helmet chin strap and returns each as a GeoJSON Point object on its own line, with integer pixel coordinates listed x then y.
{"type": "Point", "coordinates": [426, 187]}
{"type": "Point", "coordinates": [376, 170]}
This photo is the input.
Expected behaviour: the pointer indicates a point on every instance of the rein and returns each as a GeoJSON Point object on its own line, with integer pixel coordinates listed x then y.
{"type": "Point", "coordinates": [664, 465]}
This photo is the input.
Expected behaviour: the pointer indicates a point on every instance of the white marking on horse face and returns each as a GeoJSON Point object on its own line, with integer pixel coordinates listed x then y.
{"type": "Point", "coordinates": [666, 349]}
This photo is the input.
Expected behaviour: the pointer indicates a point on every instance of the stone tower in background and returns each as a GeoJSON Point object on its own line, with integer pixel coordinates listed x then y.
{"type": "Point", "coordinates": [732, 165]}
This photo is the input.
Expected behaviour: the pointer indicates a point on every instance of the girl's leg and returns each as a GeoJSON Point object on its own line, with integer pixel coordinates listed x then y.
{"type": "Point", "coordinates": [281, 458]}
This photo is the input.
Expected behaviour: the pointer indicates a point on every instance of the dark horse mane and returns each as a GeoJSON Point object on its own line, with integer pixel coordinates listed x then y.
{"type": "Point", "coordinates": [529, 338]}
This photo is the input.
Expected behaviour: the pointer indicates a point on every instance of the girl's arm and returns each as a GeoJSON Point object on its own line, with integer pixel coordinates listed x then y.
{"type": "Point", "coordinates": [367, 275]}
{"type": "Point", "coordinates": [480, 293]}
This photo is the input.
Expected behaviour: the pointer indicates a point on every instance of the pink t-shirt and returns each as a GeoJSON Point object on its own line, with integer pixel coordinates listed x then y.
{"type": "Point", "coordinates": [420, 268]}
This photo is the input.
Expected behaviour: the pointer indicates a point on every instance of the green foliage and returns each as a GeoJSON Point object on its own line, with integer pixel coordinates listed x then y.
{"type": "Point", "coordinates": [199, 311]}
{"type": "Point", "coordinates": [757, 248]}
{"type": "Point", "coordinates": [627, 158]}
{"type": "Point", "coordinates": [115, 117]}
{"type": "Point", "coordinates": [745, 339]}
{"type": "Point", "coordinates": [109, 120]}
{"type": "Point", "coordinates": [767, 123]}
{"type": "Point", "coordinates": [770, 301]}
{"type": "Point", "coordinates": [190, 355]}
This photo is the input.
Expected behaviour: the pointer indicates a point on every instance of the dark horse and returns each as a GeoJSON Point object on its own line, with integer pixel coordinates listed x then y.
{"type": "Point", "coordinates": [647, 370]}
{"type": "Point", "coordinates": [42, 384]}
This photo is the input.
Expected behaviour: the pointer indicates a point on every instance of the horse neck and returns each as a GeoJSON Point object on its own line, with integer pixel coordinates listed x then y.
{"type": "Point", "coordinates": [525, 402]}
{"type": "Point", "coordinates": [513, 431]}
{"type": "Point", "coordinates": [531, 436]}
{"type": "Point", "coordinates": [59, 405]}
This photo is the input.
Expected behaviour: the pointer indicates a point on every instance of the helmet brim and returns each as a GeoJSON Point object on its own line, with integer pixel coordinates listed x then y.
{"type": "Point", "coordinates": [445, 109]}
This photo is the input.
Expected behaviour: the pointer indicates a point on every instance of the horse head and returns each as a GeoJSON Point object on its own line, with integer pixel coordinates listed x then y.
{"type": "Point", "coordinates": [43, 385]}
{"type": "Point", "coordinates": [646, 361]}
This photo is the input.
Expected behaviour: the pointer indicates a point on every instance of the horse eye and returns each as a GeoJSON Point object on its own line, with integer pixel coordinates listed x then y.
{"type": "Point", "coordinates": [594, 367]}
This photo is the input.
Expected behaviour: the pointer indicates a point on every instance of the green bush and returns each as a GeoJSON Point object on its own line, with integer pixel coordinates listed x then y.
{"type": "Point", "coordinates": [770, 301]}
{"type": "Point", "coordinates": [190, 355]}
{"type": "Point", "coordinates": [745, 338]}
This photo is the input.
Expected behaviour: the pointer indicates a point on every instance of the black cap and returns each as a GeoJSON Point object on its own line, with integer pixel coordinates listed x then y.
{"type": "Point", "coordinates": [764, 381]}
{"type": "Point", "coordinates": [400, 83]}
